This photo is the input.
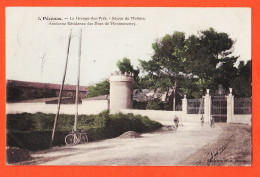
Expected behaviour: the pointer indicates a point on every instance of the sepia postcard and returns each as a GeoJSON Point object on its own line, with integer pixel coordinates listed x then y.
{"type": "Point", "coordinates": [164, 87]}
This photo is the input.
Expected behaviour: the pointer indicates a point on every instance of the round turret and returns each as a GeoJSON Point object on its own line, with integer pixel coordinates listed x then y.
{"type": "Point", "coordinates": [121, 91]}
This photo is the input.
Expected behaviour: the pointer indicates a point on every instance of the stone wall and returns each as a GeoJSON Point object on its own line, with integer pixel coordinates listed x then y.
{"type": "Point", "coordinates": [242, 119]}
{"type": "Point", "coordinates": [164, 117]}
{"type": "Point", "coordinates": [121, 101]}
{"type": "Point", "coordinates": [87, 107]}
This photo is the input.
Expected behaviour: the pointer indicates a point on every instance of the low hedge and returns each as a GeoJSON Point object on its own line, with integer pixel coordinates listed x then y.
{"type": "Point", "coordinates": [41, 121]}
{"type": "Point", "coordinates": [33, 131]}
{"type": "Point", "coordinates": [155, 105]}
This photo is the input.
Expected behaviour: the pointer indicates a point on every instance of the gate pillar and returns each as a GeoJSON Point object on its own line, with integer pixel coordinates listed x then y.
{"type": "Point", "coordinates": [207, 106]}
{"type": "Point", "coordinates": [230, 106]}
{"type": "Point", "coordinates": [184, 107]}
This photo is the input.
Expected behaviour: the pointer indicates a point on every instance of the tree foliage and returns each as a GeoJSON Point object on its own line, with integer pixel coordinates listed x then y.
{"type": "Point", "coordinates": [208, 55]}
{"type": "Point", "coordinates": [101, 88]}
{"type": "Point", "coordinates": [188, 65]}
{"type": "Point", "coordinates": [125, 66]}
{"type": "Point", "coordinates": [242, 84]}
{"type": "Point", "coordinates": [168, 62]}
{"type": "Point", "coordinates": [195, 63]}
{"type": "Point", "coordinates": [154, 105]}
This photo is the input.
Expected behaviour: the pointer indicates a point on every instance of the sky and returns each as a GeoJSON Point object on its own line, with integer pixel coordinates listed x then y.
{"type": "Point", "coordinates": [36, 47]}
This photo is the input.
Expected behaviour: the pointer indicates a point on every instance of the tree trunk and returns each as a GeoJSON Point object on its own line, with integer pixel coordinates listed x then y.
{"type": "Point", "coordinates": [173, 100]}
{"type": "Point", "coordinates": [167, 93]}
{"type": "Point", "coordinates": [166, 105]}
{"type": "Point", "coordinates": [174, 93]}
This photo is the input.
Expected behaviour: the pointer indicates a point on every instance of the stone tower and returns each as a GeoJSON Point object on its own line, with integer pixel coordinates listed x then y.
{"type": "Point", "coordinates": [121, 91]}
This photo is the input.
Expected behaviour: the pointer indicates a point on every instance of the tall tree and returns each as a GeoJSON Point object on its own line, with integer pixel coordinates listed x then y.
{"type": "Point", "coordinates": [209, 58]}
{"type": "Point", "coordinates": [242, 84]}
{"type": "Point", "coordinates": [192, 64]}
{"type": "Point", "coordinates": [167, 64]}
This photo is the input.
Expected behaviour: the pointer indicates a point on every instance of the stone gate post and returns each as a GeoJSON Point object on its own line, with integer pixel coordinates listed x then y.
{"type": "Point", "coordinates": [207, 106]}
{"type": "Point", "coordinates": [184, 107]}
{"type": "Point", "coordinates": [230, 106]}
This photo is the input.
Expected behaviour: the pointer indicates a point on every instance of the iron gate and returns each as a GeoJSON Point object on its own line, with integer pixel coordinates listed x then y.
{"type": "Point", "coordinates": [219, 108]}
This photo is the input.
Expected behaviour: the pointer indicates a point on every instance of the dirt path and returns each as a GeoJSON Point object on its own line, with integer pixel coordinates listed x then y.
{"type": "Point", "coordinates": [162, 148]}
{"type": "Point", "coordinates": [232, 148]}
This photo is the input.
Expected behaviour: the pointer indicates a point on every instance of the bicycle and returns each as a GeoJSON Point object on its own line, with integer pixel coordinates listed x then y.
{"type": "Point", "coordinates": [76, 137]}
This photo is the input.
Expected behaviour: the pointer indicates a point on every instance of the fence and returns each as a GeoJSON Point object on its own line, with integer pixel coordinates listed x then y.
{"type": "Point", "coordinates": [195, 106]}
{"type": "Point", "coordinates": [164, 117]}
{"type": "Point", "coordinates": [192, 109]}
{"type": "Point", "coordinates": [242, 105]}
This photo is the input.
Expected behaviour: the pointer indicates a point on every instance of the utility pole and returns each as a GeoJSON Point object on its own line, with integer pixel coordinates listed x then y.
{"type": "Point", "coordinates": [60, 94]}
{"type": "Point", "coordinates": [77, 87]}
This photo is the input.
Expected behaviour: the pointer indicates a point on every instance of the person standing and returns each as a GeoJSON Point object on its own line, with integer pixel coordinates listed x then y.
{"type": "Point", "coordinates": [212, 122]}
{"type": "Point", "coordinates": [202, 120]}
{"type": "Point", "coordinates": [176, 121]}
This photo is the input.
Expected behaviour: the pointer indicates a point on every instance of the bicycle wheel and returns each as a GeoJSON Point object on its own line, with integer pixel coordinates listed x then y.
{"type": "Point", "coordinates": [84, 138]}
{"type": "Point", "coordinates": [69, 139]}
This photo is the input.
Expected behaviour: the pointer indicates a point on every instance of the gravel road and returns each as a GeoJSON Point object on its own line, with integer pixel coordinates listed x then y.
{"type": "Point", "coordinates": [161, 148]}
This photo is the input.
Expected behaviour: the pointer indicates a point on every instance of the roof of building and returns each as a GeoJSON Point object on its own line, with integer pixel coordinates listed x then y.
{"type": "Point", "coordinates": [143, 95]}
{"type": "Point", "coordinates": [39, 100]}
{"type": "Point", "coordinates": [140, 95]}
{"type": "Point", "coordinates": [39, 85]}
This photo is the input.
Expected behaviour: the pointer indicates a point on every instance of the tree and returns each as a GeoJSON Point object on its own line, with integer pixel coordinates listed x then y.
{"type": "Point", "coordinates": [125, 66]}
{"type": "Point", "coordinates": [225, 73]}
{"type": "Point", "coordinates": [209, 58]}
{"type": "Point", "coordinates": [191, 64]}
{"type": "Point", "coordinates": [242, 84]}
{"type": "Point", "coordinates": [167, 64]}
{"type": "Point", "coordinates": [101, 88]}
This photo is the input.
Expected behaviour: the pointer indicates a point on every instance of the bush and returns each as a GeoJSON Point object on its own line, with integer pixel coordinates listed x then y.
{"type": "Point", "coordinates": [13, 94]}
{"type": "Point", "coordinates": [33, 131]}
{"type": "Point", "coordinates": [101, 88]}
{"type": "Point", "coordinates": [139, 105]}
{"type": "Point", "coordinates": [43, 122]}
{"type": "Point", "coordinates": [14, 154]}
{"type": "Point", "coordinates": [154, 105]}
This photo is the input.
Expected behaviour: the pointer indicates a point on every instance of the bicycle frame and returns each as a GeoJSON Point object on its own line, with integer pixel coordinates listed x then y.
{"type": "Point", "coordinates": [76, 137]}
